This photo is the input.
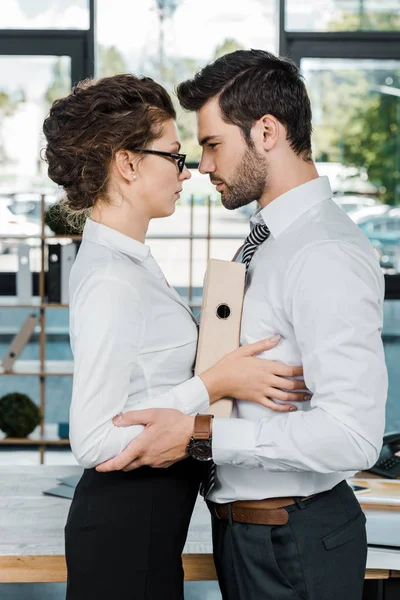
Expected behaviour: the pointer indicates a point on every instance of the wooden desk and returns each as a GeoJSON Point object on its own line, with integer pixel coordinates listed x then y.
{"type": "Point", "coordinates": [32, 531]}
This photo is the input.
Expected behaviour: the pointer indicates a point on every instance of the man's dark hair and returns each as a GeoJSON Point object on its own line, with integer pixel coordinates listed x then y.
{"type": "Point", "coordinates": [250, 84]}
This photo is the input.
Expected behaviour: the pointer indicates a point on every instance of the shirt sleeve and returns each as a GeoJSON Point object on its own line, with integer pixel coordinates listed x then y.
{"type": "Point", "coordinates": [334, 300]}
{"type": "Point", "coordinates": [108, 328]}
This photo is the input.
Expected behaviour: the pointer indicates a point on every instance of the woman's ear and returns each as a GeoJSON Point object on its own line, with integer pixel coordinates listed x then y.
{"type": "Point", "coordinates": [126, 165]}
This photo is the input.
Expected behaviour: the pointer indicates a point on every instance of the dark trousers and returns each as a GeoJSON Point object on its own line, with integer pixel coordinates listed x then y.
{"type": "Point", "coordinates": [126, 531]}
{"type": "Point", "coordinates": [320, 554]}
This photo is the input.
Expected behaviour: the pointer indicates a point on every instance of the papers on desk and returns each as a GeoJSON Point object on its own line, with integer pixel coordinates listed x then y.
{"type": "Point", "coordinates": [382, 492]}
{"type": "Point", "coordinates": [71, 481]}
{"type": "Point", "coordinates": [62, 491]}
{"type": "Point", "coordinates": [66, 488]}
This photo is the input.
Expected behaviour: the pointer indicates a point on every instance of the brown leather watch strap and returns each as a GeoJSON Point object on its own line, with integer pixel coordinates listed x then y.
{"type": "Point", "coordinates": [202, 427]}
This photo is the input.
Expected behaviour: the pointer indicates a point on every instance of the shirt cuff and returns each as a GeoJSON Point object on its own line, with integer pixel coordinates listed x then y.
{"type": "Point", "coordinates": [233, 443]}
{"type": "Point", "coordinates": [89, 454]}
{"type": "Point", "coordinates": [192, 396]}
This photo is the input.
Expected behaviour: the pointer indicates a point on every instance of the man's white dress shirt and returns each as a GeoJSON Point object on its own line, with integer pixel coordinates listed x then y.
{"type": "Point", "coordinates": [316, 281]}
{"type": "Point", "coordinates": [133, 339]}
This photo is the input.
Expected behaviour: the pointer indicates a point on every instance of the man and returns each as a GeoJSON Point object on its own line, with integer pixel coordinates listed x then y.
{"type": "Point", "coordinates": [285, 523]}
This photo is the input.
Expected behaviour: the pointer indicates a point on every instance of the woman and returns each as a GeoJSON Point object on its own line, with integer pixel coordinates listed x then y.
{"type": "Point", "coordinates": [113, 146]}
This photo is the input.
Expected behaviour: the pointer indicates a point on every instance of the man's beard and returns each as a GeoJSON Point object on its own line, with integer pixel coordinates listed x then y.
{"type": "Point", "coordinates": [248, 183]}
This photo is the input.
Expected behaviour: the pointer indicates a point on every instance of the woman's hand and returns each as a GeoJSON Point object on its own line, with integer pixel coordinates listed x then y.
{"type": "Point", "coordinates": [240, 375]}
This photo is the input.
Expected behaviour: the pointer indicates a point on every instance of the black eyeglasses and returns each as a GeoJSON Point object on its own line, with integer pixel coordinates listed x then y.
{"type": "Point", "coordinates": [180, 158]}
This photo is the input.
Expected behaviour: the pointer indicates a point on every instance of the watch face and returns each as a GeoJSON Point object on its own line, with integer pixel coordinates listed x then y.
{"type": "Point", "coordinates": [201, 450]}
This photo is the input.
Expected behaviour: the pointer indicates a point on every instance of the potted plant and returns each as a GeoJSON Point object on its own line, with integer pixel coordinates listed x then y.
{"type": "Point", "coordinates": [60, 223]}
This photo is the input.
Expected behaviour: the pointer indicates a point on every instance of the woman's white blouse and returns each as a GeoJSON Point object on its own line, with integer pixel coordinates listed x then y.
{"type": "Point", "coordinates": [133, 339]}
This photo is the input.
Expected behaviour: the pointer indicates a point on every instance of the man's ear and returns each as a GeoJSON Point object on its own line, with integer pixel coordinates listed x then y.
{"type": "Point", "coordinates": [126, 165]}
{"type": "Point", "coordinates": [265, 132]}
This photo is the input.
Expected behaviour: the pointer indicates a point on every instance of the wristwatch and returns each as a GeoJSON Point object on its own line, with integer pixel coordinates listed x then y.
{"type": "Point", "coordinates": [200, 446]}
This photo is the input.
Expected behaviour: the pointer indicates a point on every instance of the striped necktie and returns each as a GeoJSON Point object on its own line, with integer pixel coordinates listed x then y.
{"type": "Point", "coordinates": [256, 237]}
{"type": "Point", "coordinates": [208, 481]}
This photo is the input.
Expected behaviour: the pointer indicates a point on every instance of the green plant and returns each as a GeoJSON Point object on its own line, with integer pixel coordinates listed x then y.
{"type": "Point", "coordinates": [19, 415]}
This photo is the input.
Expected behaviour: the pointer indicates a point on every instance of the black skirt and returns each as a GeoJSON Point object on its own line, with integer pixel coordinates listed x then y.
{"type": "Point", "coordinates": [125, 533]}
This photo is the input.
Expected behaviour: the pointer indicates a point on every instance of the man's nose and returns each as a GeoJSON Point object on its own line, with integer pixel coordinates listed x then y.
{"type": "Point", "coordinates": [206, 166]}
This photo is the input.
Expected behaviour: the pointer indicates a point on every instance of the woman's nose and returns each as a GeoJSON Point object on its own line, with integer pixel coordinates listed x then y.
{"type": "Point", "coordinates": [186, 174]}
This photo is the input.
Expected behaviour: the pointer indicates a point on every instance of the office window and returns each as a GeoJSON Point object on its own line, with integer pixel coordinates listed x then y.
{"type": "Point", "coordinates": [44, 14]}
{"type": "Point", "coordinates": [356, 118]}
{"type": "Point", "coordinates": [342, 15]}
{"type": "Point", "coordinates": [28, 87]}
{"type": "Point", "coordinates": [391, 343]}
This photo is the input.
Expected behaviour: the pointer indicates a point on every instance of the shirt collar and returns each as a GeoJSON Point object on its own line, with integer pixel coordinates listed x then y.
{"type": "Point", "coordinates": [283, 211]}
{"type": "Point", "coordinates": [106, 236]}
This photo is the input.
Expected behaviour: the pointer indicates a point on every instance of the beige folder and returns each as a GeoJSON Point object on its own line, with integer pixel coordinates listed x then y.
{"type": "Point", "coordinates": [19, 341]}
{"type": "Point", "coordinates": [220, 321]}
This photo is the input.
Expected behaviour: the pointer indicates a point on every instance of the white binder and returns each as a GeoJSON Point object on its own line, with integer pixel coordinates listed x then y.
{"type": "Point", "coordinates": [220, 321]}
{"type": "Point", "coordinates": [24, 275]}
{"type": "Point", "coordinates": [68, 255]}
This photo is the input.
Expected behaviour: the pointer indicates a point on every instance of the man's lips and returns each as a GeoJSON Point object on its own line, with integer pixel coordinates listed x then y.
{"type": "Point", "coordinates": [218, 184]}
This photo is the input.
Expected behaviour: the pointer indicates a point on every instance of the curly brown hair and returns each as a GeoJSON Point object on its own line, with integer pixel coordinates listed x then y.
{"type": "Point", "coordinates": [85, 129]}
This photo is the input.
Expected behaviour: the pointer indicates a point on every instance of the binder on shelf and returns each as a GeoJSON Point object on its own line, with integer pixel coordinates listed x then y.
{"type": "Point", "coordinates": [19, 342]}
{"type": "Point", "coordinates": [68, 255]}
{"type": "Point", "coordinates": [54, 274]}
{"type": "Point", "coordinates": [220, 321]}
{"type": "Point", "coordinates": [24, 276]}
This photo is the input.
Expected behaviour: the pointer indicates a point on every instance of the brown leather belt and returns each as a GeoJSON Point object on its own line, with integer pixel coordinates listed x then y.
{"type": "Point", "coordinates": [257, 512]}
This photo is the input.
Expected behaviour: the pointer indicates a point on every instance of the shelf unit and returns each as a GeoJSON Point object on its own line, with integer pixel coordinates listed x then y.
{"type": "Point", "coordinates": [32, 368]}
{"type": "Point", "coordinates": [41, 368]}
{"type": "Point", "coordinates": [48, 438]}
